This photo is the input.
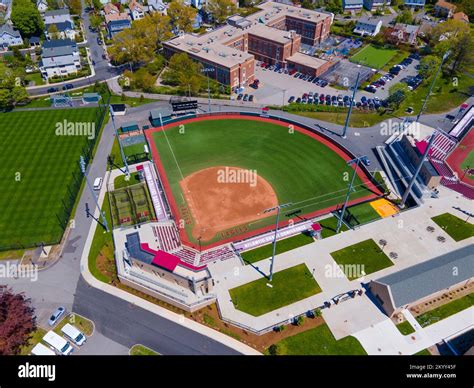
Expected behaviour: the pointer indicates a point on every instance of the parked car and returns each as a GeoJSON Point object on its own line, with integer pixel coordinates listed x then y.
{"type": "Point", "coordinates": [239, 97]}
{"type": "Point", "coordinates": [52, 90]}
{"type": "Point", "coordinates": [68, 87]}
{"type": "Point", "coordinates": [246, 97]}
{"type": "Point", "coordinates": [54, 318]}
{"type": "Point", "coordinates": [298, 100]}
{"type": "Point", "coordinates": [251, 98]}
{"type": "Point", "coordinates": [291, 99]}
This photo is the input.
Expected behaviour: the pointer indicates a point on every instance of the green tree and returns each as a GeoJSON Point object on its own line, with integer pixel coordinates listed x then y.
{"type": "Point", "coordinates": [221, 9]}
{"type": "Point", "coordinates": [19, 95]}
{"type": "Point", "coordinates": [396, 94]}
{"type": "Point", "coordinates": [185, 73]}
{"type": "Point", "coordinates": [75, 6]}
{"type": "Point", "coordinates": [405, 17]}
{"type": "Point", "coordinates": [428, 65]}
{"type": "Point", "coordinates": [5, 98]}
{"type": "Point", "coordinates": [181, 16]}
{"type": "Point", "coordinates": [53, 32]}
{"type": "Point", "coordinates": [26, 18]}
{"type": "Point", "coordinates": [95, 21]}
{"type": "Point", "coordinates": [274, 350]}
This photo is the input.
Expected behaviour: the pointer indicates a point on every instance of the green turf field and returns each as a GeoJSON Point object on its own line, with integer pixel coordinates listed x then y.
{"type": "Point", "coordinates": [289, 286]}
{"type": "Point", "coordinates": [468, 161]}
{"type": "Point", "coordinates": [365, 254]}
{"type": "Point", "coordinates": [372, 56]}
{"type": "Point", "coordinates": [301, 169]}
{"type": "Point", "coordinates": [457, 228]}
{"type": "Point", "coordinates": [35, 170]}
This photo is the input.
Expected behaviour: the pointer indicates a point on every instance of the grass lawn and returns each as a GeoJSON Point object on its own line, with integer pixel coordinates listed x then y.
{"type": "Point", "coordinates": [120, 181]}
{"type": "Point", "coordinates": [35, 173]}
{"type": "Point", "coordinates": [130, 101]}
{"type": "Point", "coordinates": [36, 78]}
{"type": "Point", "coordinates": [468, 162]}
{"type": "Point", "coordinates": [134, 149]}
{"type": "Point", "coordinates": [82, 324]}
{"type": "Point", "coordinates": [405, 328]}
{"type": "Point", "coordinates": [38, 334]}
{"type": "Point", "coordinates": [366, 256]}
{"type": "Point", "coordinates": [445, 310]}
{"type": "Point", "coordinates": [16, 254]}
{"type": "Point", "coordinates": [361, 214]}
{"type": "Point", "coordinates": [140, 350]}
{"type": "Point", "coordinates": [457, 228]}
{"type": "Point", "coordinates": [281, 246]}
{"type": "Point", "coordinates": [357, 120]}
{"type": "Point", "coordinates": [319, 341]}
{"type": "Point", "coordinates": [330, 226]}
{"type": "Point", "coordinates": [373, 57]}
{"type": "Point", "coordinates": [267, 148]}
{"type": "Point", "coordinates": [289, 286]}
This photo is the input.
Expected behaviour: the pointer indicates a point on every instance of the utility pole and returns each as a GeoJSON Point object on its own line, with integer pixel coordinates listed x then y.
{"type": "Point", "coordinates": [278, 208]}
{"type": "Point", "coordinates": [415, 175]}
{"type": "Point", "coordinates": [352, 102]}
{"type": "Point", "coordinates": [350, 189]}
{"type": "Point", "coordinates": [82, 163]}
{"type": "Point", "coordinates": [445, 56]}
{"type": "Point", "coordinates": [124, 159]}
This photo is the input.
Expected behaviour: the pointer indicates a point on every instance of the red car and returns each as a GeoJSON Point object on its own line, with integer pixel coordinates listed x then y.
{"type": "Point", "coordinates": [264, 65]}
{"type": "Point", "coordinates": [292, 71]}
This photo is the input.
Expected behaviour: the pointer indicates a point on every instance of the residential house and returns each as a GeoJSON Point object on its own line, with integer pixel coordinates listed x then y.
{"type": "Point", "coordinates": [352, 5]}
{"type": "Point", "coordinates": [461, 16]}
{"type": "Point", "coordinates": [402, 33]}
{"type": "Point", "coordinates": [157, 6]}
{"type": "Point", "coordinates": [444, 9]}
{"type": "Point", "coordinates": [116, 23]}
{"type": "Point", "coordinates": [368, 26]}
{"type": "Point", "coordinates": [42, 5]}
{"type": "Point", "coordinates": [9, 36]}
{"type": "Point", "coordinates": [415, 3]}
{"type": "Point", "coordinates": [110, 9]}
{"type": "Point", "coordinates": [6, 8]}
{"type": "Point", "coordinates": [373, 5]}
{"type": "Point", "coordinates": [59, 57]}
{"type": "Point", "coordinates": [65, 30]}
{"type": "Point", "coordinates": [136, 10]}
{"type": "Point", "coordinates": [57, 16]}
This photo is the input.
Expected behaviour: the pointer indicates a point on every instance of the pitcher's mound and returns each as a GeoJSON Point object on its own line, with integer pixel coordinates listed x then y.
{"type": "Point", "coordinates": [222, 197]}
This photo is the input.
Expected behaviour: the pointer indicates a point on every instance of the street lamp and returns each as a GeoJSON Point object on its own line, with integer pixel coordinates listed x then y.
{"type": "Point", "coordinates": [207, 70]}
{"type": "Point", "coordinates": [278, 208]}
{"type": "Point", "coordinates": [350, 189]}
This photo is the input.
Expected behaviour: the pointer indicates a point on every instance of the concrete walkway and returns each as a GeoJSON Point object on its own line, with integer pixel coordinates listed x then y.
{"type": "Point", "coordinates": [177, 318]}
{"type": "Point", "coordinates": [385, 339]}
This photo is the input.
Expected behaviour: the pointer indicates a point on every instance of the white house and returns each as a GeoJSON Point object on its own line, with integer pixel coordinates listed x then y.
{"type": "Point", "coordinates": [9, 36]}
{"type": "Point", "coordinates": [59, 57]}
{"type": "Point", "coordinates": [136, 10]}
{"type": "Point", "coordinates": [65, 30]}
{"type": "Point", "coordinates": [42, 5]}
{"type": "Point", "coordinates": [368, 26]}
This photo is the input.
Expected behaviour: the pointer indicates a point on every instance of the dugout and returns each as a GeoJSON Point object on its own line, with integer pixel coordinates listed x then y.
{"type": "Point", "coordinates": [129, 127]}
{"type": "Point", "coordinates": [91, 98]}
{"type": "Point", "coordinates": [166, 114]}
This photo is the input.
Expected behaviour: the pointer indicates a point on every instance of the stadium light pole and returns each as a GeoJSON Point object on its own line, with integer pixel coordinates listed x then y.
{"type": "Point", "coordinates": [350, 189]}
{"type": "Point", "coordinates": [417, 171]}
{"type": "Point", "coordinates": [124, 159]}
{"type": "Point", "coordinates": [278, 208]}
{"type": "Point", "coordinates": [349, 112]}
{"type": "Point", "coordinates": [207, 70]}
{"type": "Point", "coordinates": [445, 56]}
{"type": "Point", "coordinates": [82, 163]}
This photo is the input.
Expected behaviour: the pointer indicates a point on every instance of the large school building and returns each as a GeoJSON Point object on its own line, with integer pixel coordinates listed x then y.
{"type": "Point", "coordinates": [272, 35]}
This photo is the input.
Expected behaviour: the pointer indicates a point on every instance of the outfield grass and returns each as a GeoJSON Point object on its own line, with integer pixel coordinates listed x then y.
{"type": "Point", "coordinates": [366, 255]}
{"type": "Point", "coordinates": [373, 57]}
{"type": "Point", "coordinates": [35, 173]}
{"type": "Point", "coordinates": [319, 341]}
{"type": "Point", "coordinates": [289, 286]}
{"type": "Point", "coordinates": [468, 161]}
{"type": "Point", "coordinates": [281, 246]}
{"type": "Point", "coordinates": [300, 169]}
{"type": "Point", "coordinates": [457, 228]}
{"type": "Point", "coordinates": [445, 310]}
{"type": "Point", "coordinates": [405, 328]}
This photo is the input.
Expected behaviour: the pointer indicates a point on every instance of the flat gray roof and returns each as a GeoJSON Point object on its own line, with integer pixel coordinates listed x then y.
{"type": "Point", "coordinates": [424, 279]}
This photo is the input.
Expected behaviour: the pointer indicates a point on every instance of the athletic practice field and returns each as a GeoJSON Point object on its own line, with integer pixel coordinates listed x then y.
{"type": "Point", "coordinates": [372, 56]}
{"type": "Point", "coordinates": [35, 172]}
{"type": "Point", "coordinates": [221, 174]}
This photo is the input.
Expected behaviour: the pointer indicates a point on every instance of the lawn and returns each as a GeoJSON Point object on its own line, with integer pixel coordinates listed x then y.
{"type": "Point", "coordinates": [281, 246]}
{"type": "Point", "coordinates": [445, 310]}
{"type": "Point", "coordinates": [35, 171]}
{"type": "Point", "coordinates": [405, 328]}
{"type": "Point", "coordinates": [373, 57]}
{"type": "Point", "coordinates": [457, 228]}
{"type": "Point", "coordinates": [82, 324]}
{"type": "Point", "coordinates": [289, 286]}
{"type": "Point", "coordinates": [330, 226]}
{"type": "Point", "coordinates": [364, 257]}
{"type": "Point", "coordinates": [300, 168]}
{"type": "Point", "coordinates": [357, 120]}
{"type": "Point", "coordinates": [120, 181]}
{"type": "Point", "coordinates": [319, 341]}
{"type": "Point", "coordinates": [130, 101]}
{"type": "Point", "coordinates": [36, 337]}
{"type": "Point", "coordinates": [140, 350]}
{"type": "Point", "coordinates": [361, 214]}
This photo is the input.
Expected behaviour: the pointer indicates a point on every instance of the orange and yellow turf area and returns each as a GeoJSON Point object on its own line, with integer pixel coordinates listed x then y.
{"type": "Point", "coordinates": [384, 208]}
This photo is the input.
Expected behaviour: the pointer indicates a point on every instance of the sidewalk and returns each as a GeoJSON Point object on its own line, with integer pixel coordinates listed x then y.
{"type": "Point", "coordinates": [177, 318]}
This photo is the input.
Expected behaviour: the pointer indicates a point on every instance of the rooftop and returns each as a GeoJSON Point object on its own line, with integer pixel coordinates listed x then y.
{"type": "Point", "coordinates": [306, 60]}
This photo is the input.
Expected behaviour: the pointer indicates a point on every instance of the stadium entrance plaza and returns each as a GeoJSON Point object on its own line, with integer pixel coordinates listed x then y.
{"type": "Point", "coordinates": [405, 234]}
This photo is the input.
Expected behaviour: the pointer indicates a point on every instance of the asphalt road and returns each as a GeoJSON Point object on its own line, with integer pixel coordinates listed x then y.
{"type": "Point", "coordinates": [128, 324]}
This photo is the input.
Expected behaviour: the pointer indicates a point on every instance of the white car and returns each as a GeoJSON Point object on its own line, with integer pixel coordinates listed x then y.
{"type": "Point", "coordinates": [73, 334]}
